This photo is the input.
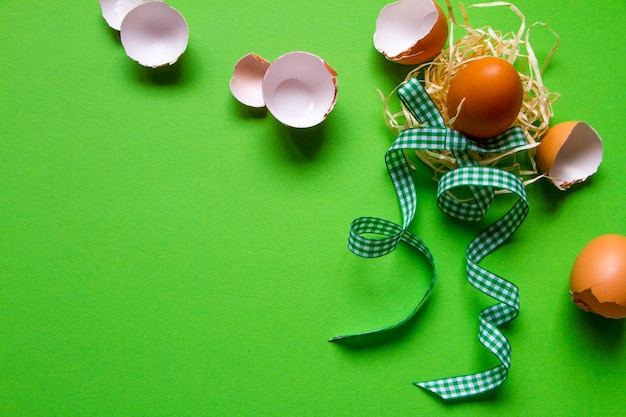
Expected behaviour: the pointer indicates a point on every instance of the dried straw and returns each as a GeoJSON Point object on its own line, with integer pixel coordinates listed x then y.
{"type": "Point", "coordinates": [536, 111]}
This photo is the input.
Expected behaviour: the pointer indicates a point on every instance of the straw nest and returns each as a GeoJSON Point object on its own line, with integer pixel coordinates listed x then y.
{"type": "Point", "coordinates": [516, 48]}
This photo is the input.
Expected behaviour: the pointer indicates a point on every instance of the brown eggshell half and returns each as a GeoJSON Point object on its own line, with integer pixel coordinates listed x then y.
{"type": "Point", "coordinates": [411, 31]}
{"type": "Point", "coordinates": [569, 153]}
{"type": "Point", "coordinates": [246, 85]}
{"type": "Point", "coordinates": [598, 277]}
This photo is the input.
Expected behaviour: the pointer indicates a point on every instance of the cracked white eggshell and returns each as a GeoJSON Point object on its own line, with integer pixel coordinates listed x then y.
{"type": "Point", "coordinates": [247, 81]}
{"type": "Point", "coordinates": [122, 7]}
{"type": "Point", "coordinates": [569, 153]}
{"type": "Point", "coordinates": [154, 34]}
{"type": "Point", "coordinates": [300, 89]}
{"type": "Point", "coordinates": [109, 15]}
{"type": "Point", "coordinates": [411, 31]}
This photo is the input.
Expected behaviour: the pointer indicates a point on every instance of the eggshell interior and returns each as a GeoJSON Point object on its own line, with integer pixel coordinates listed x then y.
{"type": "Point", "coordinates": [411, 31]}
{"type": "Point", "coordinates": [569, 153]}
{"type": "Point", "coordinates": [598, 277]}
{"type": "Point", "coordinates": [122, 7]}
{"type": "Point", "coordinates": [588, 301]}
{"type": "Point", "coordinates": [300, 89]}
{"type": "Point", "coordinates": [247, 81]}
{"type": "Point", "coordinates": [154, 34]}
{"type": "Point", "coordinates": [109, 15]}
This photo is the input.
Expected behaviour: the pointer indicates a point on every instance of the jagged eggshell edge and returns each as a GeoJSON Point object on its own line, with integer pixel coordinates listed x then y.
{"type": "Point", "coordinates": [411, 31]}
{"type": "Point", "coordinates": [151, 21]}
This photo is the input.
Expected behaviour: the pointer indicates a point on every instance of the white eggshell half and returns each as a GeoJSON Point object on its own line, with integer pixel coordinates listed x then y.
{"type": "Point", "coordinates": [154, 34]}
{"type": "Point", "coordinates": [300, 89]}
{"type": "Point", "coordinates": [109, 15]}
{"type": "Point", "coordinates": [579, 157]}
{"type": "Point", "coordinates": [247, 81]}
{"type": "Point", "coordinates": [122, 7]}
{"type": "Point", "coordinates": [410, 31]}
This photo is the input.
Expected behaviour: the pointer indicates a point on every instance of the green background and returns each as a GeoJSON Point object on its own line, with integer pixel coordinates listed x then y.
{"type": "Point", "coordinates": [164, 251]}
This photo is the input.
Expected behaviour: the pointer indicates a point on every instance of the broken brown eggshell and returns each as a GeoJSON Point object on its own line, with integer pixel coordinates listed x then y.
{"type": "Point", "coordinates": [598, 277]}
{"type": "Point", "coordinates": [569, 153]}
{"type": "Point", "coordinates": [246, 85]}
{"type": "Point", "coordinates": [299, 88]}
{"type": "Point", "coordinates": [411, 31]}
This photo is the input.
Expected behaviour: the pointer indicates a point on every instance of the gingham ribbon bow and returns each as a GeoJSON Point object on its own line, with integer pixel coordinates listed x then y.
{"type": "Point", "coordinates": [481, 181]}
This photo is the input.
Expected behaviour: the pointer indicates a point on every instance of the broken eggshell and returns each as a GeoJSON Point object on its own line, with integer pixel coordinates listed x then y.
{"type": "Point", "coordinates": [569, 153]}
{"type": "Point", "coordinates": [154, 34]}
{"type": "Point", "coordinates": [300, 89]}
{"type": "Point", "coordinates": [123, 7]}
{"type": "Point", "coordinates": [411, 31]}
{"type": "Point", "coordinates": [114, 11]}
{"type": "Point", "coordinates": [109, 15]}
{"type": "Point", "coordinates": [247, 81]}
{"type": "Point", "coordinates": [598, 277]}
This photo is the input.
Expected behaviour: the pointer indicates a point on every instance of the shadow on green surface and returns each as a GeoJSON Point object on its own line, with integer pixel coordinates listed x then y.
{"type": "Point", "coordinates": [302, 144]}
{"type": "Point", "coordinates": [396, 72]}
{"type": "Point", "coordinates": [161, 76]}
{"type": "Point", "coordinates": [181, 73]}
{"type": "Point", "coordinates": [555, 197]}
{"type": "Point", "coordinates": [606, 335]}
{"type": "Point", "coordinates": [373, 340]}
{"type": "Point", "coordinates": [247, 112]}
{"type": "Point", "coordinates": [114, 34]}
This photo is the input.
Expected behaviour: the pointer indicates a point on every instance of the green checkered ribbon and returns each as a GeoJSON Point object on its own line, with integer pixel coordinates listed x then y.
{"type": "Point", "coordinates": [372, 237]}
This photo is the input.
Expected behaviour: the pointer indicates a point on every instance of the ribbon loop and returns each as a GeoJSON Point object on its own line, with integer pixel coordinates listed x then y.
{"type": "Point", "coordinates": [482, 182]}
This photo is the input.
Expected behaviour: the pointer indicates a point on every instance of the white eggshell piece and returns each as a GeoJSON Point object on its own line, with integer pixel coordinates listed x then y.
{"type": "Point", "coordinates": [579, 157]}
{"type": "Point", "coordinates": [402, 24]}
{"type": "Point", "coordinates": [154, 34]}
{"type": "Point", "coordinates": [122, 7]}
{"type": "Point", "coordinates": [109, 15]}
{"type": "Point", "coordinates": [247, 81]}
{"type": "Point", "coordinates": [300, 89]}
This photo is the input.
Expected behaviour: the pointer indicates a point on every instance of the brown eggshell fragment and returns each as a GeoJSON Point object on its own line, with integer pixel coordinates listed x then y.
{"type": "Point", "coordinates": [598, 277]}
{"type": "Point", "coordinates": [411, 31]}
{"type": "Point", "coordinates": [569, 153]}
{"type": "Point", "coordinates": [246, 85]}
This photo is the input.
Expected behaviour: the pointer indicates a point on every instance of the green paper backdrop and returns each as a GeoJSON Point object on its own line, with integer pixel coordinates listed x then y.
{"type": "Point", "coordinates": [164, 251]}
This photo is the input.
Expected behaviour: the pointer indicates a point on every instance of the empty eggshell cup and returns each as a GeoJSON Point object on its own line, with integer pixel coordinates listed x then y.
{"type": "Point", "coordinates": [299, 89]}
{"type": "Point", "coordinates": [411, 31]}
{"type": "Point", "coordinates": [569, 153]}
{"type": "Point", "coordinates": [247, 81]}
{"type": "Point", "coordinates": [154, 34]}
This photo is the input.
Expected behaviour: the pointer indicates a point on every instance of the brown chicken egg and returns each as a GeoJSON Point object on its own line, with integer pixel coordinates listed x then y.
{"type": "Point", "coordinates": [485, 97]}
{"type": "Point", "coordinates": [598, 277]}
